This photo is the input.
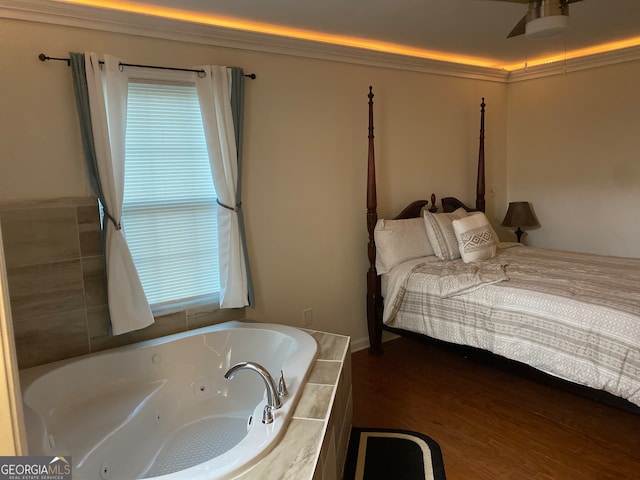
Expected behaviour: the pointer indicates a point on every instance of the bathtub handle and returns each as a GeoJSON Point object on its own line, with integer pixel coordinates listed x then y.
{"type": "Point", "coordinates": [267, 414]}
{"type": "Point", "coordinates": [282, 385]}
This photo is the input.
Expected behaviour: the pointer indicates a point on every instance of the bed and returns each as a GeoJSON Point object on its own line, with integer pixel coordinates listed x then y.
{"type": "Point", "coordinates": [446, 277]}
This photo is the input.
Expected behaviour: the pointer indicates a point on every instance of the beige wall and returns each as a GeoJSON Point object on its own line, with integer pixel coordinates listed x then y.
{"type": "Point", "coordinates": [12, 434]}
{"type": "Point", "coordinates": [304, 158]}
{"type": "Point", "coordinates": [571, 142]}
{"type": "Point", "coordinates": [574, 153]}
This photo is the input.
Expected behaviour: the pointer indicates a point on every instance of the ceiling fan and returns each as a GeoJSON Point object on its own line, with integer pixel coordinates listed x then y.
{"type": "Point", "coordinates": [545, 18]}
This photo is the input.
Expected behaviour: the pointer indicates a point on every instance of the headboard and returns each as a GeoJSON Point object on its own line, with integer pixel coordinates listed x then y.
{"type": "Point", "coordinates": [414, 209]}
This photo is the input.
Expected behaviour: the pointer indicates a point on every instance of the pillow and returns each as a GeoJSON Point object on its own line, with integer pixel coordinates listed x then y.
{"type": "Point", "coordinates": [441, 235]}
{"type": "Point", "coordinates": [493, 232]}
{"type": "Point", "coordinates": [475, 238]}
{"type": "Point", "coordinates": [398, 241]}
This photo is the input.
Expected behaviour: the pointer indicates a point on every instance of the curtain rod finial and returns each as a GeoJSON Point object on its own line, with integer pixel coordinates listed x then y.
{"type": "Point", "coordinates": [44, 58]}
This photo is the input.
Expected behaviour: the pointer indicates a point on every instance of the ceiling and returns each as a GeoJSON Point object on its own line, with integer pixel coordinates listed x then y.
{"type": "Point", "coordinates": [463, 31]}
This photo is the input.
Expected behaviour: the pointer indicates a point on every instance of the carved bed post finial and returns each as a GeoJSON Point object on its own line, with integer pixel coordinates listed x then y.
{"type": "Point", "coordinates": [373, 297]}
{"type": "Point", "coordinates": [480, 189]}
{"type": "Point", "coordinates": [433, 208]}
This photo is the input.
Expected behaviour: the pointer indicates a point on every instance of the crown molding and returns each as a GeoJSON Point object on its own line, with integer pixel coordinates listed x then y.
{"type": "Point", "coordinates": [51, 12]}
{"type": "Point", "coordinates": [576, 64]}
{"type": "Point", "coordinates": [58, 13]}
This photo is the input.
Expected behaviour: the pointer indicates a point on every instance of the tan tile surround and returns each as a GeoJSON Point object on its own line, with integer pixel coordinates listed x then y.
{"type": "Point", "coordinates": [57, 288]}
{"type": "Point", "coordinates": [314, 447]}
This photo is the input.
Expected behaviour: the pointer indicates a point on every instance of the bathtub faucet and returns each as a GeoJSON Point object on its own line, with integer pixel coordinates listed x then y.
{"type": "Point", "coordinates": [273, 398]}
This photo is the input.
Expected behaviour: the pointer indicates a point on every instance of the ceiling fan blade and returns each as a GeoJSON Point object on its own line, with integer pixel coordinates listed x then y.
{"type": "Point", "coordinates": [519, 29]}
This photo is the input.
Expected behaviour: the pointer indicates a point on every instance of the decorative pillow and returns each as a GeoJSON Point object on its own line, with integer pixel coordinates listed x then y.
{"type": "Point", "coordinates": [398, 241]}
{"type": "Point", "coordinates": [493, 232]}
{"type": "Point", "coordinates": [441, 235]}
{"type": "Point", "coordinates": [475, 238]}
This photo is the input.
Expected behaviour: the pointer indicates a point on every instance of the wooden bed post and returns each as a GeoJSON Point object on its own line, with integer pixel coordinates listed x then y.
{"type": "Point", "coordinates": [374, 295]}
{"type": "Point", "coordinates": [480, 204]}
{"type": "Point", "coordinates": [373, 298]}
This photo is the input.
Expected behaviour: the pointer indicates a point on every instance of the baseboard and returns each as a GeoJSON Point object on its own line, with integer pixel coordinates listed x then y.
{"type": "Point", "coordinates": [359, 344]}
{"type": "Point", "coordinates": [363, 342]}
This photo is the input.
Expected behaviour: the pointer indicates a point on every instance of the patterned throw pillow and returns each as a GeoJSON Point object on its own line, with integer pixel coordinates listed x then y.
{"type": "Point", "coordinates": [441, 234]}
{"type": "Point", "coordinates": [493, 232]}
{"type": "Point", "coordinates": [475, 236]}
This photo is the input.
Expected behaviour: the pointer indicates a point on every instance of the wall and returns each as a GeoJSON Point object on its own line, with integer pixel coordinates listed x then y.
{"type": "Point", "coordinates": [574, 153]}
{"type": "Point", "coordinates": [57, 284]}
{"type": "Point", "coordinates": [13, 438]}
{"type": "Point", "coordinates": [305, 152]}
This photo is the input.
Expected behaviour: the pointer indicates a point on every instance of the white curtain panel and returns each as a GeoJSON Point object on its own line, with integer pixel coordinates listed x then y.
{"type": "Point", "coordinates": [214, 94]}
{"type": "Point", "coordinates": [107, 86]}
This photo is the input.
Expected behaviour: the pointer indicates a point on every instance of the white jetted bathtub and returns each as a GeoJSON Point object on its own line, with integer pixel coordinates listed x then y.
{"type": "Point", "coordinates": [163, 409]}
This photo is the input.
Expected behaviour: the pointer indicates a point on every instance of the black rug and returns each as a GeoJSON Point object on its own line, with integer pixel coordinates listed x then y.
{"type": "Point", "coordinates": [384, 454]}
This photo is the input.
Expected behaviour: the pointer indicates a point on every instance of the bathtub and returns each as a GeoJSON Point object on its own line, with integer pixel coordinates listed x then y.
{"type": "Point", "coordinates": [162, 408]}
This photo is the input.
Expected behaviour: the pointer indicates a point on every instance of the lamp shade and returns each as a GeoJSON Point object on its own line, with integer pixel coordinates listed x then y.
{"type": "Point", "coordinates": [519, 214]}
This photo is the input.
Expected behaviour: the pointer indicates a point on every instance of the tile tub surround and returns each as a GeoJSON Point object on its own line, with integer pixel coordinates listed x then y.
{"type": "Point", "coordinates": [314, 447]}
{"type": "Point", "coordinates": [57, 285]}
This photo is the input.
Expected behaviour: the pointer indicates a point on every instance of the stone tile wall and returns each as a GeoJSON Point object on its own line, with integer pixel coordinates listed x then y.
{"type": "Point", "coordinates": [57, 286]}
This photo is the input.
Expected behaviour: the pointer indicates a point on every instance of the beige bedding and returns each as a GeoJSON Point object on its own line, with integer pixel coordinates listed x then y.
{"type": "Point", "coordinates": [576, 316]}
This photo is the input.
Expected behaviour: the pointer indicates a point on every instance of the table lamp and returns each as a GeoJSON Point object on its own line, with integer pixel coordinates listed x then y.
{"type": "Point", "coordinates": [519, 214]}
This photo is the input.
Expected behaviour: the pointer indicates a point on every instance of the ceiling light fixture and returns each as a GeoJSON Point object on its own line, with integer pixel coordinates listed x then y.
{"type": "Point", "coordinates": [545, 27]}
{"type": "Point", "coordinates": [544, 18]}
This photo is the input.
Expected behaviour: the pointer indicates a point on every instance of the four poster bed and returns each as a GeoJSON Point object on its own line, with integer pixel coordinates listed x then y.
{"type": "Point", "coordinates": [446, 277]}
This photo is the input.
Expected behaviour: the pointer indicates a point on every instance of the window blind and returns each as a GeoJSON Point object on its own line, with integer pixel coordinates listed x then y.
{"type": "Point", "coordinates": [169, 208]}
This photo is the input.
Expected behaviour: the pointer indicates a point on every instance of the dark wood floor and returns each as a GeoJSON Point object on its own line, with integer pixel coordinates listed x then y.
{"type": "Point", "coordinates": [492, 424]}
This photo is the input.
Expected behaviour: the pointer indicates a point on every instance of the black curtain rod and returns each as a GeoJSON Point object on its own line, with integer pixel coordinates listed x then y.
{"type": "Point", "coordinates": [44, 58]}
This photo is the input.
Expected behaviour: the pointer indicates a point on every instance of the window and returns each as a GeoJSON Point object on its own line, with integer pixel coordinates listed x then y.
{"type": "Point", "coordinates": [169, 208]}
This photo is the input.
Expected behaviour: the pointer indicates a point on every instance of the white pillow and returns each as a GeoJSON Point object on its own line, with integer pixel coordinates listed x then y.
{"type": "Point", "coordinates": [493, 232]}
{"type": "Point", "coordinates": [475, 236]}
{"type": "Point", "coordinates": [441, 235]}
{"type": "Point", "coordinates": [398, 241]}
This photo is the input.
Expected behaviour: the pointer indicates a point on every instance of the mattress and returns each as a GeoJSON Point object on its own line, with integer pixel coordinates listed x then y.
{"type": "Point", "coordinates": [572, 315]}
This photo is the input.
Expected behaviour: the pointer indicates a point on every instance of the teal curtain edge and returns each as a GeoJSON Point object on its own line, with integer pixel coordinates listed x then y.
{"type": "Point", "coordinates": [237, 108]}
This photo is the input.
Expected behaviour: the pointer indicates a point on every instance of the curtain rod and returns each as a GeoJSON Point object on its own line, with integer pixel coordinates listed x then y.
{"type": "Point", "coordinates": [44, 58]}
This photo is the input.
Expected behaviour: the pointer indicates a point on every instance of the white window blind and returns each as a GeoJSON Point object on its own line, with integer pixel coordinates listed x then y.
{"type": "Point", "coordinates": [169, 209]}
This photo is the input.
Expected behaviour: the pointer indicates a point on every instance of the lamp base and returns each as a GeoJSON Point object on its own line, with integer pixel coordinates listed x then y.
{"type": "Point", "coordinates": [519, 233]}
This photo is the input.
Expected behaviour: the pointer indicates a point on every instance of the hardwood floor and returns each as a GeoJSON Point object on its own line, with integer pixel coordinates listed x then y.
{"type": "Point", "coordinates": [492, 424]}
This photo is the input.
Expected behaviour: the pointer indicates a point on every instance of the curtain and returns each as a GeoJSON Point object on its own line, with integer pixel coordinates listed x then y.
{"type": "Point", "coordinates": [214, 94]}
{"type": "Point", "coordinates": [107, 92]}
{"type": "Point", "coordinates": [237, 109]}
{"type": "Point", "coordinates": [76, 62]}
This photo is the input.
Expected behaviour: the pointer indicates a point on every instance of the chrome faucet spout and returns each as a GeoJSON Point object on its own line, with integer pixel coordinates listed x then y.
{"type": "Point", "coordinates": [273, 399]}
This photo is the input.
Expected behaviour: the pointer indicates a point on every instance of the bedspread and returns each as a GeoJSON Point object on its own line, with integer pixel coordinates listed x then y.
{"type": "Point", "coordinates": [573, 315]}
